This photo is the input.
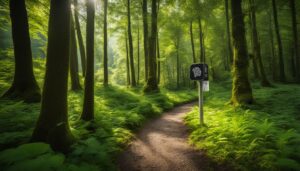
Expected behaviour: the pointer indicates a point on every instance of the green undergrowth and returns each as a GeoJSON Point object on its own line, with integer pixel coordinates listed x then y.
{"type": "Point", "coordinates": [119, 111]}
{"type": "Point", "coordinates": [263, 136]}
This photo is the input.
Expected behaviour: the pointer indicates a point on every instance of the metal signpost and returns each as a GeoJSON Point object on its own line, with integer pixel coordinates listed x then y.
{"type": "Point", "coordinates": [199, 72]}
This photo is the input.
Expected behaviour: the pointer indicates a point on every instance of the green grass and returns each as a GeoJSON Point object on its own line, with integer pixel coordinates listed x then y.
{"type": "Point", "coordinates": [264, 136]}
{"type": "Point", "coordinates": [119, 111]}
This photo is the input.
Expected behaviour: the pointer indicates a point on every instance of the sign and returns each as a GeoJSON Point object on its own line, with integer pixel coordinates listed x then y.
{"type": "Point", "coordinates": [199, 72]}
{"type": "Point", "coordinates": [205, 87]}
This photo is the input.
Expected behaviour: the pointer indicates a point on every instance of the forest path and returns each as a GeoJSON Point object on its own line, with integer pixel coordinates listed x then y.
{"type": "Point", "coordinates": [161, 145]}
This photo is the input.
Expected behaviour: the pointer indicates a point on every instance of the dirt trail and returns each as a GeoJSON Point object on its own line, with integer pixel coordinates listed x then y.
{"type": "Point", "coordinates": [161, 145]}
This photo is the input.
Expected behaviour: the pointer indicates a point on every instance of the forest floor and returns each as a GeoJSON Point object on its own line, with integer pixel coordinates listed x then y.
{"type": "Point", "coordinates": [162, 144]}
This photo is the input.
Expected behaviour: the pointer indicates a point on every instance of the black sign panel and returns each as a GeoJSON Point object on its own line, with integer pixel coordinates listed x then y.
{"type": "Point", "coordinates": [199, 72]}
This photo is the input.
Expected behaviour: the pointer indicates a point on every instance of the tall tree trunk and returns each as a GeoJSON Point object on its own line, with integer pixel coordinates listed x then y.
{"type": "Point", "coordinates": [256, 46]}
{"type": "Point", "coordinates": [177, 63]}
{"type": "Point", "coordinates": [146, 39]}
{"type": "Point", "coordinates": [158, 59]}
{"type": "Point", "coordinates": [295, 35]}
{"type": "Point", "coordinates": [24, 85]}
{"type": "Point", "coordinates": [273, 60]}
{"type": "Point", "coordinates": [241, 89]}
{"type": "Point", "coordinates": [193, 46]}
{"type": "Point", "coordinates": [127, 61]}
{"type": "Point", "coordinates": [132, 71]}
{"type": "Point", "coordinates": [88, 102]}
{"type": "Point", "coordinates": [75, 83]}
{"type": "Point", "coordinates": [279, 43]}
{"type": "Point", "coordinates": [80, 39]}
{"type": "Point", "coordinates": [105, 66]}
{"type": "Point", "coordinates": [52, 126]}
{"type": "Point", "coordinates": [138, 55]}
{"type": "Point", "coordinates": [152, 78]}
{"type": "Point", "coordinates": [201, 41]}
{"type": "Point", "coordinates": [192, 41]}
{"type": "Point", "coordinates": [230, 54]}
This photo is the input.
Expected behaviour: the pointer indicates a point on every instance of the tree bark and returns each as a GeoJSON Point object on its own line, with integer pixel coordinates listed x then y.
{"type": "Point", "coordinates": [127, 61]}
{"type": "Point", "coordinates": [151, 85]}
{"type": "Point", "coordinates": [105, 66]}
{"type": "Point", "coordinates": [273, 60]}
{"type": "Point", "coordinates": [158, 59]}
{"type": "Point", "coordinates": [256, 46]}
{"type": "Point", "coordinates": [80, 39]}
{"type": "Point", "coordinates": [177, 63]}
{"type": "Point", "coordinates": [24, 85]}
{"type": "Point", "coordinates": [52, 126]}
{"type": "Point", "coordinates": [295, 35]}
{"type": "Point", "coordinates": [280, 51]}
{"type": "Point", "coordinates": [138, 55]}
{"type": "Point", "coordinates": [146, 39]}
{"type": "Point", "coordinates": [229, 46]}
{"type": "Point", "coordinates": [192, 41]}
{"type": "Point", "coordinates": [193, 46]}
{"type": "Point", "coordinates": [241, 88]}
{"type": "Point", "coordinates": [202, 58]}
{"type": "Point", "coordinates": [88, 102]}
{"type": "Point", "coordinates": [132, 71]}
{"type": "Point", "coordinates": [75, 83]}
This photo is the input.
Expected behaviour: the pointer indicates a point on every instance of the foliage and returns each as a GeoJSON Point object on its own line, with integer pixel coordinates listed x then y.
{"type": "Point", "coordinates": [265, 136]}
{"type": "Point", "coordinates": [118, 112]}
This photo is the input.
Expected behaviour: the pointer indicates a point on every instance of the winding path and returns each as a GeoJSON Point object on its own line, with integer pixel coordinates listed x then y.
{"type": "Point", "coordinates": [161, 145]}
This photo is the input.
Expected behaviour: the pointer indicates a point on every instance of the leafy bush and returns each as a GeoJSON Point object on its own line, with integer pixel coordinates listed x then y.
{"type": "Point", "coordinates": [265, 136]}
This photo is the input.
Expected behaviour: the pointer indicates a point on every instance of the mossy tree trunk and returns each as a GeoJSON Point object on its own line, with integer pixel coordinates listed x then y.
{"type": "Point", "coordinates": [24, 85]}
{"type": "Point", "coordinates": [146, 39]}
{"type": "Point", "coordinates": [241, 89]}
{"type": "Point", "coordinates": [75, 83]}
{"type": "Point", "coordinates": [138, 55]}
{"type": "Point", "coordinates": [52, 126]}
{"type": "Point", "coordinates": [279, 43]}
{"type": "Point", "coordinates": [295, 36]}
{"type": "Point", "coordinates": [132, 71]}
{"type": "Point", "coordinates": [256, 45]}
{"type": "Point", "coordinates": [158, 59]}
{"type": "Point", "coordinates": [229, 46]}
{"type": "Point", "coordinates": [151, 85]}
{"type": "Point", "coordinates": [88, 102]}
{"type": "Point", "coordinates": [127, 61]}
{"type": "Point", "coordinates": [80, 39]}
{"type": "Point", "coordinates": [105, 65]}
{"type": "Point", "coordinates": [273, 56]}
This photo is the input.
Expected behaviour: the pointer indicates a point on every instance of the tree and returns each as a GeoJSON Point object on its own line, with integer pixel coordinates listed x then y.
{"type": "Point", "coordinates": [256, 45]}
{"type": "Point", "coordinates": [52, 126]}
{"type": "Point", "coordinates": [75, 83]}
{"type": "Point", "coordinates": [151, 84]}
{"type": "Point", "coordinates": [279, 43]}
{"type": "Point", "coordinates": [80, 39]}
{"type": "Point", "coordinates": [138, 53]}
{"type": "Point", "coordinates": [241, 89]}
{"type": "Point", "coordinates": [230, 55]}
{"type": "Point", "coordinates": [24, 85]}
{"type": "Point", "coordinates": [295, 36]}
{"type": "Point", "coordinates": [146, 39]}
{"type": "Point", "coordinates": [192, 41]}
{"type": "Point", "coordinates": [105, 67]}
{"type": "Point", "coordinates": [202, 56]}
{"type": "Point", "coordinates": [127, 61]}
{"type": "Point", "coordinates": [88, 103]}
{"type": "Point", "coordinates": [133, 82]}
